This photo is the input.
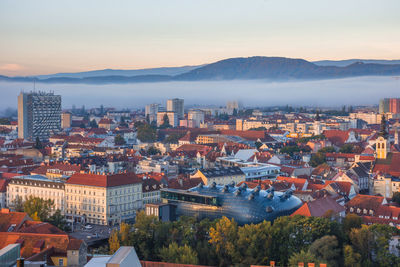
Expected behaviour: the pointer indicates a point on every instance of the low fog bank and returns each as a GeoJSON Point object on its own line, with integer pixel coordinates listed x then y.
{"type": "Point", "coordinates": [337, 92]}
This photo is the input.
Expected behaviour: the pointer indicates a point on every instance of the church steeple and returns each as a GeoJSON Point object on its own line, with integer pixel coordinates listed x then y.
{"type": "Point", "coordinates": [383, 132]}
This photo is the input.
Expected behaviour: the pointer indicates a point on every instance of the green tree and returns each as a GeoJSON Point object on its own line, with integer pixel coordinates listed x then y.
{"type": "Point", "coordinates": [38, 143]}
{"type": "Point", "coordinates": [351, 258]}
{"type": "Point", "coordinates": [143, 238]}
{"type": "Point", "coordinates": [351, 221]}
{"type": "Point", "coordinates": [119, 140]}
{"type": "Point", "coordinates": [165, 123]}
{"type": "Point", "coordinates": [93, 124]}
{"type": "Point", "coordinates": [304, 257]}
{"type": "Point", "coordinates": [146, 133]}
{"type": "Point", "coordinates": [38, 207]}
{"type": "Point", "coordinates": [223, 237]}
{"type": "Point", "coordinates": [363, 241]}
{"type": "Point", "coordinates": [173, 138]}
{"type": "Point", "coordinates": [396, 197]}
{"type": "Point", "coordinates": [58, 220]}
{"type": "Point", "coordinates": [326, 249]}
{"type": "Point", "coordinates": [346, 148]}
{"type": "Point", "coordinates": [153, 151]}
{"type": "Point", "coordinates": [179, 254]}
{"type": "Point", "coordinates": [17, 204]}
{"type": "Point", "coordinates": [253, 243]}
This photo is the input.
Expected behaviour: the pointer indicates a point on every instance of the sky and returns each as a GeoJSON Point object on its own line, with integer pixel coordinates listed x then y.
{"type": "Point", "coordinates": [47, 36]}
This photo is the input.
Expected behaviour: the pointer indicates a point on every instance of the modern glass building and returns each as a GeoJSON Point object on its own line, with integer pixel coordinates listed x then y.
{"type": "Point", "coordinates": [240, 203]}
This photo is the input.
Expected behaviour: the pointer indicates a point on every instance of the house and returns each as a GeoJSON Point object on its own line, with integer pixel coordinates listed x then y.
{"type": "Point", "coordinates": [220, 175]}
{"type": "Point", "coordinates": [321, 207]}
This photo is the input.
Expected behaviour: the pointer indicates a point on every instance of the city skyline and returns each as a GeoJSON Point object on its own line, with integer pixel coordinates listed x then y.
{"type": "Point", "coordinates": [71, 36]}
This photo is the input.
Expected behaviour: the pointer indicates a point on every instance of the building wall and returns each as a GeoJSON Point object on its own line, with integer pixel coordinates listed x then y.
{"type": "Point", "coordinates": [66, 120]}
{"type": "Point", "coordinates": [172, 117]}
{"type": "Point", "coordinates": [103, 205]}
{"type": "Point", "coordinates": [176, 105]}
{"type": "Point", "coordinates": [46, 190]}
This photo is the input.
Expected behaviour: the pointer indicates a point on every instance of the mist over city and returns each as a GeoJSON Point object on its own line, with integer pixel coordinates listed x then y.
{"type": "Point", "coordinates": [254, 93]}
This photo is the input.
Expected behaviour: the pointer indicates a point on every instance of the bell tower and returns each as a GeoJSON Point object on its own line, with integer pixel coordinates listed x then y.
{"type": "Point", "coordinates": [382, 144]}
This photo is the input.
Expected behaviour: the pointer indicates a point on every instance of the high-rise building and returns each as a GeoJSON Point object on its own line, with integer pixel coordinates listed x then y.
{"type": "Point", "coordinates": [39, 115]}
{"type": "Point", "coordinates": [389, 105]}
{"type": "Point", "coordinates": [176, 105]}
{"type": "Point", "coordinates": [66, 120]}
{"type": "Point", "coordinates": [151, 111]}
{"type": "Point", "coordinates": [195, 118]}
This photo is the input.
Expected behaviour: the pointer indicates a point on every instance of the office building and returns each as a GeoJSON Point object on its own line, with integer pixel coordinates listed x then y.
{"type": "Point", "coordinates": [151, 111]}
{"type": "Point", "coordinates": [176, 105]}
{"type": "Point", "coordinates": [39, 115]}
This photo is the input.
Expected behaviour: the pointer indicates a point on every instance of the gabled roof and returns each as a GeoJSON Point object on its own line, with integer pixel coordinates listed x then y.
{"type": "Point", "coordinates": [366, 202]}
{"type": "Point", "coordinates": [319, 207]}
{"type": "Point", "coordinates": [11, 221]}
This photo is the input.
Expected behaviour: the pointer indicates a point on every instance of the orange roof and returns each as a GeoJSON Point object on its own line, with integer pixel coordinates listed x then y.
{"type": "Point", "coordinates": [8, 218]}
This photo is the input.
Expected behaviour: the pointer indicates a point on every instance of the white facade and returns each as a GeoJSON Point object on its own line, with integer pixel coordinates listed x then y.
{"type": "Point", "coordinates": [197, 118]}
{"type": "Point", "coordinates": [36, 186]}
{"type": "Point", "coordinates": [151, 111]}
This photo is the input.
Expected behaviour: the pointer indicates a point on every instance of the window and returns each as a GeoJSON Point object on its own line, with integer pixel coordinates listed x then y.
{"type": "Point", "coordinates": [60, 262]}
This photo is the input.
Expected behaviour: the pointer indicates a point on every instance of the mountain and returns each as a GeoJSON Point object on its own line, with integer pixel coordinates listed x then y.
{"type": "Point", "coordinates": [343, 63]}
{"type": "Point", "coordinates": [171, 71]}
{"type": "Point", "coordinates": [269, 68]}
{"type": "Point", "coordinates": [278, 68]}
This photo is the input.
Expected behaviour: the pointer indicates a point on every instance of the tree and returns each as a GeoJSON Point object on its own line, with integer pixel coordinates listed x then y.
{"type": "Point", "coordinates": [146, 133]}
{"type": "Point", "coordinates": [38, 207]}
{"type": "Point", "coordinates": [223, 237]}
{"type": "Point", "coordinates": [153, 151]}
{"type": "Point", "coordinates": [234, 113]}
{"type": "Point", "coordinates": [124, 230]}
{"type": "Point", "coordinates": [165, 123]}
{"type": "Point", "coordinates": [346, 148]}
{"type": "Point", "coordinates": [304, 257]}
{"type": "Point", "coordinates": [17, 204]}
{"type": "Point", "coordinates": [93, 124]}
{"type": "Point", "coordinates": [326, 249]}
{"type": "Point", "coordinates": [173, 138]}
{"type": "Point", "coordinates": [351, 258]}
{"type": "Point", "coordinates": [396, 198]}
{"type": "Point", "coordinates": [179, 254]}
{"type": "Point", "coordinates": [363, 241]}
{"type": "Point", "coordinates": [119, 140]}
{"type": "Point", "coordinates": [114, 241]}
{"type": "Point", "coordinates": [351, 221]}
{"type": "Point", "coordinates": [58, 220]}
{"type": "Point", "coordinates": [38, 143]}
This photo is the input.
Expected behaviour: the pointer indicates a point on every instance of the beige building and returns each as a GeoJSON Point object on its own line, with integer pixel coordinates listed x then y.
{"type": "Point", "coordinates": [172, 118]}
{"type": "Point", "coordinates": [386, 186]}
{"type": "Point", "coordinates": [176, 105]}
{"type": "Point", "coordinates": [36, 186]}
{"type": "Point", "coordinates": [220, 175]}
{"type": "Point", "coordinates": [103, 199]}
{"type": "Point", "coordinates": [66, 119]}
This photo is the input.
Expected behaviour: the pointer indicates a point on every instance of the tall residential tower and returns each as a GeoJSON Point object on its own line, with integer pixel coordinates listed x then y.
{"type": "Point", "coordinates": [176, 105]}
{"type": "Point", "coordinates": [39, 115]}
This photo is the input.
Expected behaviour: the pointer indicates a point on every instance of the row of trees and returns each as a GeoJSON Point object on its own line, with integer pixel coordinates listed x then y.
{"type": "Point", "coordinates": [287, 241]}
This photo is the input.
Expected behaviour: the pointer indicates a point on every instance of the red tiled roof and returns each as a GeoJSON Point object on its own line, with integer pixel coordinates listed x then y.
{"type": "Point", "coordinates": [63, 167]}
{"type": "Point", "coordinates": [3, 185]}
{"type": "Point", "coordinates": [391, 165]}
{"type": "Point", "coordinates": [337, 137]}
{"type": "Point", "coordinates": [319, 207]}
{"type": "Point", "coordinates": [365, 202]}
{"type": "Point", "coordinates": [39, 228]}
{"type": "Point", "coordinates": [8, 218]}
{"type": "Point", "coordinates": [106, 180]}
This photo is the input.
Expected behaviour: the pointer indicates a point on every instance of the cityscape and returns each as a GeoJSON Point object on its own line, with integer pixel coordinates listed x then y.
{"type": "Point", "coordinates": [182, 154]}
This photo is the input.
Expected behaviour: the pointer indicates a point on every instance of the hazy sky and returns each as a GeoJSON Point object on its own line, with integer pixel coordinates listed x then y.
{"type": "Point", "coordinates": [41, 37]}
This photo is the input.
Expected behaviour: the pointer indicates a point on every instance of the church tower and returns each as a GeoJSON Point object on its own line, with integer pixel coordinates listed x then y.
{"type": "Point", "coordinates": [382, 143]}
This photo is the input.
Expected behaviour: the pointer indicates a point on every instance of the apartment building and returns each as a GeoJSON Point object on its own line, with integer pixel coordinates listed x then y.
{"type": "Point", "coordinates": [36, 186]}
{"type": "Point", "coordinates": [39, 115]}
{"type": "Point", "coordinates": [176, 105]}
{"type": "Point", "coordinates": [105, 199]}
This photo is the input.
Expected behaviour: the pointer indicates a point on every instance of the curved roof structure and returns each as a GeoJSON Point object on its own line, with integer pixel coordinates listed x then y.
{"type": "Point", "coordinates": [242, 204]}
